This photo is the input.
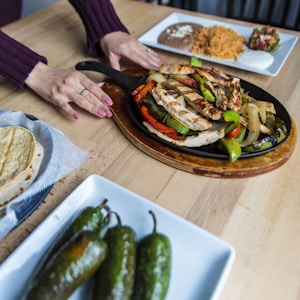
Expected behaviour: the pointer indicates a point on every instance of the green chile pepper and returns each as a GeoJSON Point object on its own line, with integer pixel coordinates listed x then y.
{"type": "Point", "coordinates": [153, 266]}
{"type": "Point", "coordinates": [232, 147]}
{"type": "Point", "coordinates": [90, 218]}
{"type": "Point", "coordinates": [232, 117]}
{"type": "Point", "coordinates": [74, 263]}
{"type": "Point", "coordinates": [115, 277]}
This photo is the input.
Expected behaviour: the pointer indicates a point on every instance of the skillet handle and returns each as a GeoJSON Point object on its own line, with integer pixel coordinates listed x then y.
{"type": "Point", "coordinates": [93, 65]}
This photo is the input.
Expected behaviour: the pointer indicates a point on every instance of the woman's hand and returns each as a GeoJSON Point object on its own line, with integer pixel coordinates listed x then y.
{"type": "Point", "coordinates": [63, 87]}
{"type": "Point", "coordinates": [118, 44]}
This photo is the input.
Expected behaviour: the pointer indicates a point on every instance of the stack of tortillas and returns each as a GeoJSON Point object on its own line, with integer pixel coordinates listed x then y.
{"type": "Point", "coordinates": [20, 160]}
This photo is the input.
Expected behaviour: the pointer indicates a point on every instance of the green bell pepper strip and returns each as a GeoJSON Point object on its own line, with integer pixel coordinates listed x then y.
{"type": "Point", "coordinates": [206, 93]}
{"type": "Point", "coordinates": [268, 141]}
{"type": "Point", "coordinates": [159, 113]}
{"type": "Point", "coordinates": [242, 134]}
{"type": "Point", "coordinates": [232, 147]}
{"type": "Point", "coordinates": [195, 62]}
{"type": "Point", "coordinates": [232, 117]}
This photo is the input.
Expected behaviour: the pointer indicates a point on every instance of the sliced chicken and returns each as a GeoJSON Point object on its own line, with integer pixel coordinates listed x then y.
{"type": "Point", "coordinates": [235, 99]}
{"type": "Point", "coordinates": [170, 69]}
{"type": "Point", "coordinates": [212, 76]}
{"type": "Point", "coordinates": [194, 99]}
{"type": "Point", "coordinates": [202, 138]}
{"type": "Point", "coordinates": [168, 101]}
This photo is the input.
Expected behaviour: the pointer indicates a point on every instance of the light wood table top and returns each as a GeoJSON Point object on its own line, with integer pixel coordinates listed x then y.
{"type": "Point", "coordinates": [258, 216]}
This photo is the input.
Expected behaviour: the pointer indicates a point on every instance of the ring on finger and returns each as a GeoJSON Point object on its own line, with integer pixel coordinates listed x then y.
{"type": "Point", "coordinates": [148, 50]}
{"type": "Point", "coordinates": [83, 91]}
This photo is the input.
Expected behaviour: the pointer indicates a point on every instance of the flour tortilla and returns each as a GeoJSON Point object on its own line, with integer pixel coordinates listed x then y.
{"type": "Point", "coordinates": [203, 138]}
{"type": "Point", "coordinates": [20, 159]}
{"type": "Point", "coordinates": [179, 35]}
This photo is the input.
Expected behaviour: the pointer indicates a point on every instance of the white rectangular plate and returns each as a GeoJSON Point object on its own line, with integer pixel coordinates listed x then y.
{"type": "Point", "coordinates": [200, 263]}
{"type": "Point", "coordinates": [287, 42]}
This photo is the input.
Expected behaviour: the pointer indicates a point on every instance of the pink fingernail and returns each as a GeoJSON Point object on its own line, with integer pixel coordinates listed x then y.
{"type": "Point", "coordinates": [101, 113]}
{"type": "Point", "coordinates": [108, 113]}
{"type": "Point", "coordinates": [76, 115]}
{"type": "Point", "coordinates": [108, 101]}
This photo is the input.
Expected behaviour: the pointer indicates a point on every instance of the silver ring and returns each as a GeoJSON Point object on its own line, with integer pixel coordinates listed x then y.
{"type": "Point", "coordinates": [148, 50]}
{"type": "Point", "coordinates": [82, 91]}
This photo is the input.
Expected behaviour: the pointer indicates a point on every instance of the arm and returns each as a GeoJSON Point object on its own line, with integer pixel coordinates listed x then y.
{"type": "Point", "coordinates": [16, 60]}
{"type": "Point", "coordinates": [24, 67]}
{"type": "Point", "coordinates": [99, 18]}
{"type": "Point", "coordinates": [107, 35]}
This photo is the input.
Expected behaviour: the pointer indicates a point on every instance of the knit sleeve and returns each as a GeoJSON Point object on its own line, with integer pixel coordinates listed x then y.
{"type": "Point", "coordinates": [16, 60]}
{"type": "Point", "coordinates": [99, 18]}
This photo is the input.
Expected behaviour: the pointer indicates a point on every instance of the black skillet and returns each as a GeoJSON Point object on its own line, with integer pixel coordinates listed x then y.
{"type": "Point", "coordinates": [210, 151]}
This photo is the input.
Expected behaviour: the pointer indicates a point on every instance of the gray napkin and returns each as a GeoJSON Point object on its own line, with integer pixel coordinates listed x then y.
{"type": "Point", "coordinates": [61, 157]}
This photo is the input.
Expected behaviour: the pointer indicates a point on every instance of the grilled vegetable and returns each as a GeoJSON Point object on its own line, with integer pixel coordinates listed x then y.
{"type": "Point", "coordinates": [233, 118]}
{"type": "Point", "coordinates": [163, 120]}
{"type": "Point", "coordinates": [74, 263]}
{"type": "Point", "coordinates": [115, 278]}
{"type": "Point", "coordinates": [195, 62]}
{"type": "Point", "coordinates": [153, 266]}
{"type": "Point", "coordinates": [232, 147]}
{"type": "Point", "coordinates": [269, 141]}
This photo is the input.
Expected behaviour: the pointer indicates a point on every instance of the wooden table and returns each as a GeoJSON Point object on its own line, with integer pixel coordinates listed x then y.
{"type": "Point", "coordinates": [259, 215]}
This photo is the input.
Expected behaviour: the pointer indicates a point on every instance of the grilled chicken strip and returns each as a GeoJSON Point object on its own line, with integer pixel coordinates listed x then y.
{"type": "Point", "coordinates": [195, 100]}
{"type": "Point", "coordinates": [170, 69]}
{"type": "Point", "coordinates": [235, 99]}
{"type": "Point", "coordinates": [213, 76]}
{"type": "Point", "coordinates": [169, 102]}
{"type": "Point", "coordinates": [202, 138]}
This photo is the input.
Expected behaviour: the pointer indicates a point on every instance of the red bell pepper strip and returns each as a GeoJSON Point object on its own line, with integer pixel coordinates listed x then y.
{"type": "Point", "coordinates": [157, 125]}
{"type": "Point", "coordinates": [141, 92]}
{"type": "Point", "coordinates": [235, 132]}
{"type": "Point", "coordinates": [190, 82]}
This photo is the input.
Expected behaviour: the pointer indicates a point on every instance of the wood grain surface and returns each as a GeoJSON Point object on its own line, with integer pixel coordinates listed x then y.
{"type": "Point", "coordinates": [257, 215]}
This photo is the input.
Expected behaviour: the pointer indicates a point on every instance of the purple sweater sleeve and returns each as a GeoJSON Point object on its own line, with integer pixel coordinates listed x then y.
{"type": "Point", "coordinates": [16, 60]}
{"type": "Point", "coordinates": [99, 18]}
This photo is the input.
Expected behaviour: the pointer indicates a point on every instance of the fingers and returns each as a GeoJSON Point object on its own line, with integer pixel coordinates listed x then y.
{"type": "Point", "coordinates": [150, 59]}
{"type": "Point", "coordinates": [89, 101]}
{"type": "Point", "coordinates": [66, 87]}
{"type": "Point", "coordinates": [116, 45]}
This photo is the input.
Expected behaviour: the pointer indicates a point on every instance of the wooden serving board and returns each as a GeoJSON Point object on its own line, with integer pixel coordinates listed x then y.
{"type": "Point", "coordinates": [219, 168]}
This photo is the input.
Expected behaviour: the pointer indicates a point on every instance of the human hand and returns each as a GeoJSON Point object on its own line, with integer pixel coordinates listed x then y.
{"type": "Point", "coordinates": [118, 44]}
{"type": "Point", "coordinates": [62, 87]}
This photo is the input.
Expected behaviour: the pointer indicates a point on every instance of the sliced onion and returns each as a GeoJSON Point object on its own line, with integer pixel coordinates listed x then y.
{"type": "Point", "coordinates": [253, 125]}
{"type": "Point", "coordinates": [262, 114]}
{"type": "Point", "coordinates": [157, 77]}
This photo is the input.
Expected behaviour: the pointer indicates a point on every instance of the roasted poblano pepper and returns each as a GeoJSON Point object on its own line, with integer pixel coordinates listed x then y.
{"type": "Point", "coordinates": [153, 266]}
{"type": "Point", "coordinates": [74, 263]}
{"type": "Point", "coordinates": [115, 278]}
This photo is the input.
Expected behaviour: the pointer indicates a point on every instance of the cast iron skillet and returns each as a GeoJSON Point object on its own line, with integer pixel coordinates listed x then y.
{"type": "Point", "coordinates": [209, 151]}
